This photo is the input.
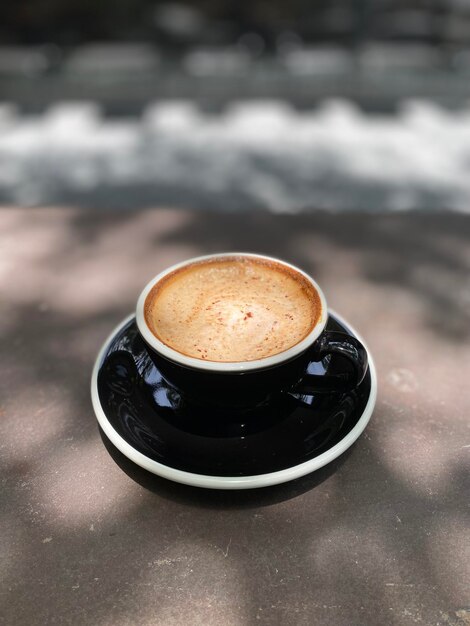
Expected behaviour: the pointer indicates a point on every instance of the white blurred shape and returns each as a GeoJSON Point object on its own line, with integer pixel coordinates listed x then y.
{"type": "Point", "coordinates": [73, 117]}
{"type": "Point", "coordinates": [172, 116]}
{"type": "Point", "coordinates": [255, 120]}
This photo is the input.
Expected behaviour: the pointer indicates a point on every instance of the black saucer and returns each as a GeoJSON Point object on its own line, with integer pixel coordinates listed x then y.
{"type": "Point", "coordinates": [157, 427]}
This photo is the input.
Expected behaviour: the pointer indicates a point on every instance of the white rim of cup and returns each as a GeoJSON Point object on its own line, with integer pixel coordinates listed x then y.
{"type": "Point", "coordinates": [230, 366]}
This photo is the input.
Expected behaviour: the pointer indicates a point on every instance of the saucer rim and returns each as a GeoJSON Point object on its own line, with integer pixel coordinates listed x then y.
{"type": "Point", "coordinates": [231, 482]}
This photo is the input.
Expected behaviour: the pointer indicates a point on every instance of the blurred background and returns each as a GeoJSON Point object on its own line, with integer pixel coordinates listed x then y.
{"type": "Point", "coordinates": [217, 104]}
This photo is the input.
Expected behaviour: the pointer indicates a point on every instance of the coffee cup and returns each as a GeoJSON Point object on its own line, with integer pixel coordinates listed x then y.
{"type": "Point", "coordinates": [237, 329]}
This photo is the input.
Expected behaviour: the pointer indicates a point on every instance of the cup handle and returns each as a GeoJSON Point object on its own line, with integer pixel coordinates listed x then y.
{"type": "Point", "coordinates": [341, 344]}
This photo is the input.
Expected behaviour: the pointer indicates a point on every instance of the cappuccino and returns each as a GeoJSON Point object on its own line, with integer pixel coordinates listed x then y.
{"type": "Point", "coordinates": [232, 309]}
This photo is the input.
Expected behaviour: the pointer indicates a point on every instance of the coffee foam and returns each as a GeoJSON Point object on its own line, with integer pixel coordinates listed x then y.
{"type": "Point", "coordinates": [232, 309]}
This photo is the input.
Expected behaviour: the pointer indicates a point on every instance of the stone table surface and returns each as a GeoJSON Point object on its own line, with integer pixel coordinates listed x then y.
{"type": "Point", "coordinates": [381, 537]}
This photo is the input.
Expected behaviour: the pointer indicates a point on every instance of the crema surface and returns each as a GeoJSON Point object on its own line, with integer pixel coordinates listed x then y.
{"type": "Point", "coordinates": [232, 309]}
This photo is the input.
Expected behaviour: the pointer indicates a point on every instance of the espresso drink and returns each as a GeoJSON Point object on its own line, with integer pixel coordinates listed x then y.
{"type": "Point", "coordinates": [232, 309]}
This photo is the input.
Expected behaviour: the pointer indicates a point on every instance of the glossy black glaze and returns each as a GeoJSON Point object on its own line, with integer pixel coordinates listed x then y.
{"type": "Point", "coordinates": [165, 424]}
{"type": "Point", "coordinates": [244, 390]}
{"type": "Point", "coordinates": [339, 377]}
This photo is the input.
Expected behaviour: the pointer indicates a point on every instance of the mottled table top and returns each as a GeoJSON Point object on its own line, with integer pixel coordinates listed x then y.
{"type": "Point", "coordinates": [379, 537]}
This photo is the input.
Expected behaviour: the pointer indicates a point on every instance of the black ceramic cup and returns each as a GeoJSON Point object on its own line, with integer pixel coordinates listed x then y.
{"type": "Point", "coordinates": [253, 383]}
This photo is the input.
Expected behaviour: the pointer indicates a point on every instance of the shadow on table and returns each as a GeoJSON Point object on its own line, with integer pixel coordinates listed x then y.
{"type": "Point", "coordinates": [421, 254]}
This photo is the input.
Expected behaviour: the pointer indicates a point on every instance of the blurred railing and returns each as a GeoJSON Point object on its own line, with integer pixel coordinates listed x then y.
{"type": "Point", "coordinates": [124, 77]}
{"type": "Point", "coordinates": [373, 52]}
